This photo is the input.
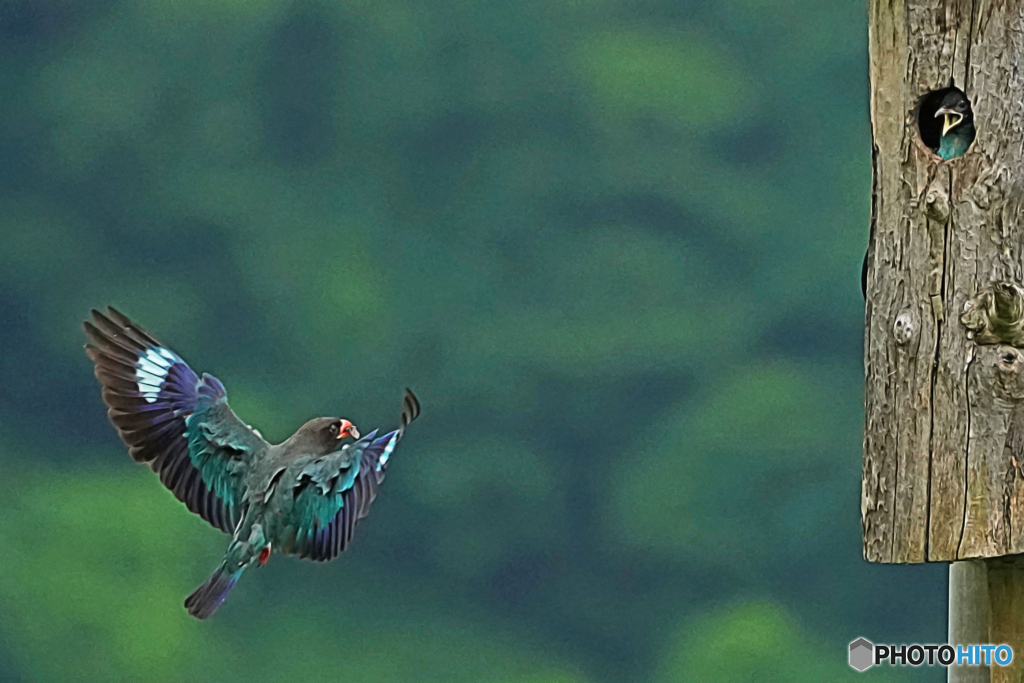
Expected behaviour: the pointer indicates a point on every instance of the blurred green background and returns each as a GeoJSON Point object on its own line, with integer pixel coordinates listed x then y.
{"type": "Point", "coordinates": [615, 248]}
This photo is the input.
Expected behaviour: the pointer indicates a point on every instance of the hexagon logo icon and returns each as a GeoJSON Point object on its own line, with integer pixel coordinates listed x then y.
{"type": "Point", "coordinates": [862, 654]}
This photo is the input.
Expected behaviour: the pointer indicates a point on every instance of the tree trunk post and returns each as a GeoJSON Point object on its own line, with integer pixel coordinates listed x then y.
{"type": "Point", "coordinates": [968, 614]}
{"type": "Point", "coordinates": [943, 468]}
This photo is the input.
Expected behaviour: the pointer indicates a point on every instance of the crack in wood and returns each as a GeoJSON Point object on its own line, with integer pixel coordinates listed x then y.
{"type": "Point", "coordinates": [967, 462]}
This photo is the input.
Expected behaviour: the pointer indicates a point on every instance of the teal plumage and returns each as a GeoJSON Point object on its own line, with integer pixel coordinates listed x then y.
{"type": "Point", "coordinates": [211, 432]}
{"type": "Point", "coordinates": [241, 553]}
{"type": "Point", "coordinates": [955, 143]}
{"type": "Point", "coordinates": [301, 497]}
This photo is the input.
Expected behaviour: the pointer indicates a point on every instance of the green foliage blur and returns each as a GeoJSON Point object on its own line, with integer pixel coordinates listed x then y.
{"type": "Point", "coordinates": [614, 247]}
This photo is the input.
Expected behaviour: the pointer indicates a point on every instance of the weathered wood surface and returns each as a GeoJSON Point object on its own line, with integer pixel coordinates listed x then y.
{"type": "Point", "coordinates": [1006, 619]}
{"type": "Point", "coordinates": [969, 615]}
{"type": "Point", "coordinates": [986, 605]}
{"type": "Point", "coordinates": [944, 423]}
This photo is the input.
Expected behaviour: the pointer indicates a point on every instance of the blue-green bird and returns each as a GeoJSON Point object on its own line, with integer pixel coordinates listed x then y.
{"type": "Point", "coordinates": [957, 125]}
{"type": "Point", "coordinates": [301, 497]}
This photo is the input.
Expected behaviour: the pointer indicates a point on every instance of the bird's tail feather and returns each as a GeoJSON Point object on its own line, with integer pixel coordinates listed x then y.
{"type": "Point", "coordinates": [205, 600]}
{"type": "Point", "coordinates": [410, 411]}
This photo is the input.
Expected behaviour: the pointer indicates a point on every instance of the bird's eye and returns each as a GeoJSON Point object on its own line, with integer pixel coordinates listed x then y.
{"type": "Point", "coordinates": [334, 427]}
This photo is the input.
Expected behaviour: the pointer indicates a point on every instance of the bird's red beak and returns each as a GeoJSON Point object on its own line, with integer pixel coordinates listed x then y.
{"type": "Point", "coordinates": [348, 429]}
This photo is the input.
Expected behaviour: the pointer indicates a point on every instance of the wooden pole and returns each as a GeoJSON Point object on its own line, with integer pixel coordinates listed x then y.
{"type": "Point", "coordinates": [986, 605]}
{"type": "Point", "coordinates": [944, 390]}
{"type": "Point", "coordinates": [943, 469]}
{"type": "Point", "coordinates": [968, 615]}
{"type": "Point", "coordinates": [1006, 608]}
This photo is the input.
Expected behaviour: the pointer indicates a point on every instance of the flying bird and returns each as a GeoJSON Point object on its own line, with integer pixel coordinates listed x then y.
{"type": "Point", "coordinates": [301, 497]}
{"type": "Point", "coordinates": [957, 125]}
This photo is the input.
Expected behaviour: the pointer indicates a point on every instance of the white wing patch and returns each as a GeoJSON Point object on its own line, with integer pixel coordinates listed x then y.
{"type": "Point", "coordinates": [151, 371]}
{"type": "Point", "coordinates": [387, 452]}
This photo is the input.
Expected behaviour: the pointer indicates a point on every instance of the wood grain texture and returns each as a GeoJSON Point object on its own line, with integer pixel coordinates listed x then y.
{"type": "Point", "coordinates": [944, 427]}
{"type": "Point", "coordinates": [1006, 614]}
{"type": "Point", "coordinates": [986, 605]}
{"type": "Point", "coordinates": [969, 615]}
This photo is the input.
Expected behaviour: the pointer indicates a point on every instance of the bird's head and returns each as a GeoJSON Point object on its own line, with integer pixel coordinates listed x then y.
{"type": "Point", "coordinates": [323, 435]}
{"type": "Point", "coordinates": [954, 109]}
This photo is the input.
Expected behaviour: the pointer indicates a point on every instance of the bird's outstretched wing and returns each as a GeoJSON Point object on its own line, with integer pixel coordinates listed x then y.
{"type": "Point", "coordinates": [174, 421]}
{"type": "Point", "coordinates": [336, 491]}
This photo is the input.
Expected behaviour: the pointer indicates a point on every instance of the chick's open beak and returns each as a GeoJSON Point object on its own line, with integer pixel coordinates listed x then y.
{"type": "Point", "coordinates": [951, 119]}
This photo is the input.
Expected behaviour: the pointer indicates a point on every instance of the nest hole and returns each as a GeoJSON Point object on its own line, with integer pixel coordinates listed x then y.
{"type": "Point", "coordinates": [930, 125]}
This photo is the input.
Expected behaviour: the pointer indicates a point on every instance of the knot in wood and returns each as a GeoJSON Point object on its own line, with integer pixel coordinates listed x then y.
{"type": "Point", "coordinates": [936, 202]}
{"type": "Point", "coordinates": [981, 196]}
{"type": "Point", "coordinates": [1009, 361]}
{"type": "Point", "coordinates": [904, 328]}
{"type": "Point", "coordinates": [1008, 364]}
{"type": "Point", "coordinates": [996, 315]}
